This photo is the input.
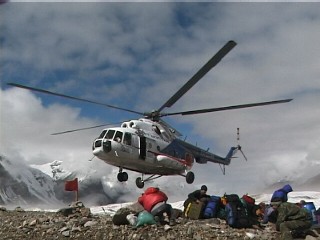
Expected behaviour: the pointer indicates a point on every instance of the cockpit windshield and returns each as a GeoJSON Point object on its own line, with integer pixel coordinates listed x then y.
{"type": "Point", "coordinates": [110, 134]}
{"type": "Point", "coordinates": [102, 134]}
{"type": "Point", "coordinates": [125, 138]}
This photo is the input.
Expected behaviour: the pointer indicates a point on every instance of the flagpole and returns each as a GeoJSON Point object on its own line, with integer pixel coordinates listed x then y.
{"type": "Point", "coordinates": [77, 195]}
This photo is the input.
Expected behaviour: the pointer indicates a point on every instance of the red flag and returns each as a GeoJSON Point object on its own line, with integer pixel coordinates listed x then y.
{"type": "Point", "coordinates": [71, 185]}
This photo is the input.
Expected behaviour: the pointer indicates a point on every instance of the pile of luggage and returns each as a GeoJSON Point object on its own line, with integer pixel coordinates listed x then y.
{"type": "Point", "coordinates": [239, 212]}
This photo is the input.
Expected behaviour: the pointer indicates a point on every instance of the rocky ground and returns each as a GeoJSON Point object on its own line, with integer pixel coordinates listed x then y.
{"type": "Point", "coordinates": [79, 223]}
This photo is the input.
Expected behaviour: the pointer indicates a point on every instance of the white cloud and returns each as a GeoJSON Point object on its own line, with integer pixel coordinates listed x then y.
{"type": "Point", "coordinates": [27, 125]}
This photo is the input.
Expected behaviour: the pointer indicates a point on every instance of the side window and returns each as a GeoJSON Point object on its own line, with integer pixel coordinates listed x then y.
{"type": "Point", "coordinates": [135, 140]}
{"type": "Point", "coordinates": [118, 136]}
{"type": "Point", "coordinates": [127, 139]}
{"type": "Point", "coordinates": [110, 134]}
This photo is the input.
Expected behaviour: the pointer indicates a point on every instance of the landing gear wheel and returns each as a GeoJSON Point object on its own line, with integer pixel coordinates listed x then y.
{"type": "Point", "coordinates": [139, 182]}
{"type": "Point", "coordinates": [122, 176]}
{"type": "Point", "coordinates": [119, 176]}
{"type": "Point", "coordinates": [190, 177]}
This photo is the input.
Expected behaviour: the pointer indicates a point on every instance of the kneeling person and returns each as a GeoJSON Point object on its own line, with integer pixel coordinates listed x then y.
{"type": "Point", "coordinates": [155, 201]}
{"type": "Point", "coordinates": [291, 219]}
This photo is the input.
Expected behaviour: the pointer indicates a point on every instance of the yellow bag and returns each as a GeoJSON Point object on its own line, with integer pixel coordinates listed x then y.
{"type": "Point", "coordinates": [187, 210]}
{"type": "Point", "coordinates": [195, 210]}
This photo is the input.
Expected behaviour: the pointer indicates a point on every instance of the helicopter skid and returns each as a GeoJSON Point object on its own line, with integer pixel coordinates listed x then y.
{"type": "Point", "coordinates": [150, 178]}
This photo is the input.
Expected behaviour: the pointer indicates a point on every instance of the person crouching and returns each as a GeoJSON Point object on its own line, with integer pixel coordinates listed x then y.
{"type": "Point", "coordinates": [155, 201]}
{"type": "Point", "coordinates": [291, 220]}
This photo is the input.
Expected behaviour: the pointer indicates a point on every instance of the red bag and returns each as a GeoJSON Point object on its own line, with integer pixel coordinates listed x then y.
{"type": "Point", "coordinates": [248, 199]}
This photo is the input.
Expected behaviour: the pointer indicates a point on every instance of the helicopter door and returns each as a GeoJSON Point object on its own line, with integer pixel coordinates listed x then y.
{"type": "Point", "coordinates": [143, 148]}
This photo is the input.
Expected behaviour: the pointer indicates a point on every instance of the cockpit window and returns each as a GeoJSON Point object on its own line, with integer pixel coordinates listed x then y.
{"type": "Point", "coordinates": [110, 134]}
{"type": "Point", "coordinates": [118, 136]}
{"type": "Point", "coordinates": [127, 138]}
{"type": "Point", "coordinates": [102, 134]}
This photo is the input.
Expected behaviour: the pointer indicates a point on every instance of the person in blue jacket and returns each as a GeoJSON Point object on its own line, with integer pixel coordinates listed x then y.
{"type": "Point", "coordinates": [282, 193]}
{"type": "Point", "coordinates": [279, 195]}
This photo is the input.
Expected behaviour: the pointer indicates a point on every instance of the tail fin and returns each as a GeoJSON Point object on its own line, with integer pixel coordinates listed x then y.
{"type": "Point", "coordinates": [231, 153]}
{"type": "Point", "coordinates": [224, 160]}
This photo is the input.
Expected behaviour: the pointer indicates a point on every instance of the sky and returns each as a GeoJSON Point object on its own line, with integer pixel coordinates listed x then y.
{"type": "Point", "coordinates": [136, 55]}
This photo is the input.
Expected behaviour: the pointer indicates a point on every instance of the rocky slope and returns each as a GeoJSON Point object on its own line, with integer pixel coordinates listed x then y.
{"type": "Point", "coordinates": [19, 224]}
{"type": "Point", "coordinates": [79, 223]}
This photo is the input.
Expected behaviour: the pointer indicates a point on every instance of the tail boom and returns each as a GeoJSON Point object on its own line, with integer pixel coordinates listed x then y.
{"type": "Point", "coordinates": [205, 157]}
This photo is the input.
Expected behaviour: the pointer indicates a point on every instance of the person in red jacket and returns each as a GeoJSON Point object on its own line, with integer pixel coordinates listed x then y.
{"type": "Point", "coordinates": [155, 201]}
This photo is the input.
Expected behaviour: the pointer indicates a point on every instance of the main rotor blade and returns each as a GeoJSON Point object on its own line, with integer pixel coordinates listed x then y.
{"type": "Point", "coordinates": [70, 97]}
{"type": "Point", "coordinates": [206, 68]}
{"type": "Point", "coordinates": [226, 108]}
{"type": "Point", "coordinates": [80, 129]}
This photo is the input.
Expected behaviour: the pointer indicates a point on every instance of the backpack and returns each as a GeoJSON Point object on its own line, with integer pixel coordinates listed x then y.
{"type": "Point", "coordinates": [120, 217]}
{"type": "Point", "coordinates": [248, 199]}
{"type": "Point", "coordinates": [145, 218]}
{"type": "Point", "coordinates": [236, 213]}
{"type": "Point", "coordinates": [194, 210]}
{"type": "Point", "coordinates": [249, 203]}
{"type": "Point", "coordinates": [232, 198]}
{"type": "Point", "coordinates": [212, 207]}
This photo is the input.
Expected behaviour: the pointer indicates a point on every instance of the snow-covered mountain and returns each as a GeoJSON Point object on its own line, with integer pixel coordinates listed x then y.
{"type": "Point", "coordinates": [310, 184]}
{"type": "Point", "coordinates": [36, 185]}
{"type": "Point", "coordinates": [42, 186]}
{"type": "Point", "coordinates": [22, 185]}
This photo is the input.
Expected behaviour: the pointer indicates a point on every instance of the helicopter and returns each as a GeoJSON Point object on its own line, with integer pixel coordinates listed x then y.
{"type": "Point", "coordinates": [149, 145]}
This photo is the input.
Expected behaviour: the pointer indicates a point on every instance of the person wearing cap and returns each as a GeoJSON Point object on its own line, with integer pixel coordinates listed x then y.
{"type": "Point", "coordinates": [292, 221]}
{"type": "Point", "coordinates": [198, 196]}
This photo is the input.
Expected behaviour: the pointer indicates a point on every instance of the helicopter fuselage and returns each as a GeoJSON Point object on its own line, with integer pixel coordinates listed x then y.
{"type": "Point", "coordinates": [142, 146]}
